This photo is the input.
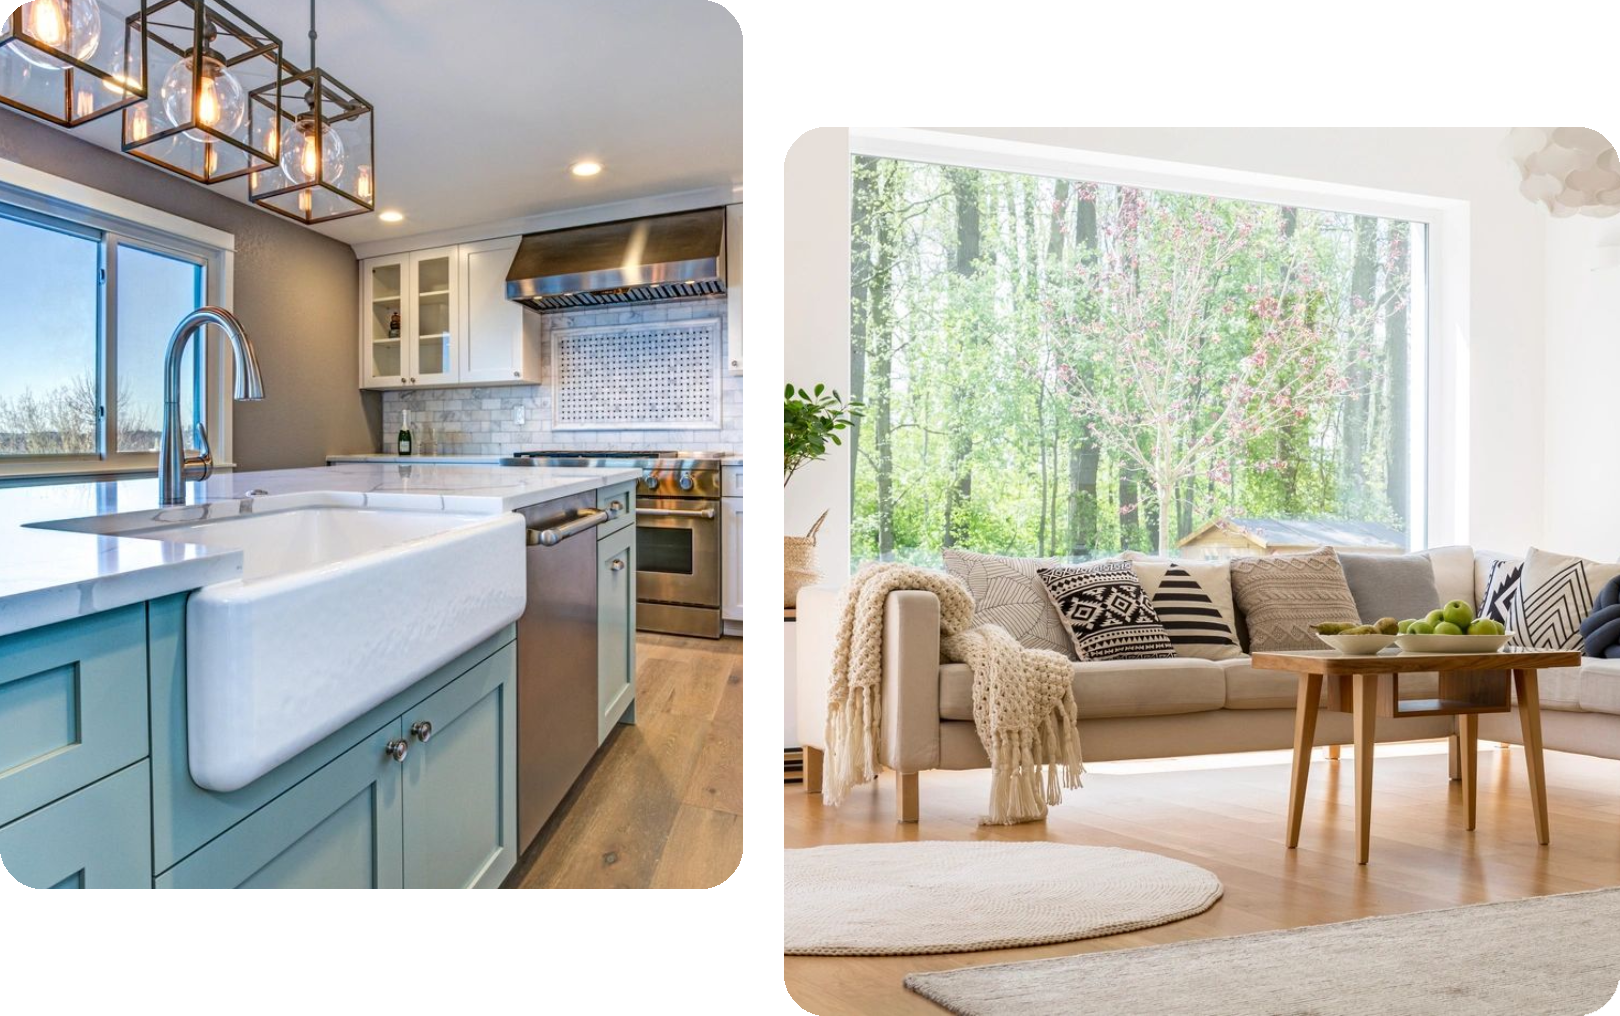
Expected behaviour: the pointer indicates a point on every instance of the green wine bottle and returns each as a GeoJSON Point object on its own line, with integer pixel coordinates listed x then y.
{"type": "Point", "coordinates": [404, 431]}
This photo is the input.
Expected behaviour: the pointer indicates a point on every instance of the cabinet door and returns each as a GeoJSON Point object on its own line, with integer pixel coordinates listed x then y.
{"type": "Point", "coordinates": [615, 628]}
{"type": "Point", "coordinates": [98, 838]}
{"type": "Point", "coordinates": [731, 544]}
{"type": "Point", "coordinates": [461, 780]}
{"type": "Point", "coordinates": [750, 287]}
{"type": "Point", "coordinates": [341, 828]}
{"type": "Point", "coordinates": [501, 341]}
{"type": "Point", "coordinates": [435, 325]}
{"type": "Point", "coordinates": [384, 322]}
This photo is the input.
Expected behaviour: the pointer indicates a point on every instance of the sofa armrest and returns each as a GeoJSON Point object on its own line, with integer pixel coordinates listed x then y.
{"type": "Point", "coordinates": [910, 722]}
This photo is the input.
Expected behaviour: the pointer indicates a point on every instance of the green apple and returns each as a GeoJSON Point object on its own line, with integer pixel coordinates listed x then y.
{"type": "Point", "coordinates": [1482, 626]}
{"type": "Point", "coordinates": [1420, 628]}
{"type": "Point", "coordinates": [1447, 628]}
{"type": "Point", "coordinates": [1498, 628]}
{"type": "Point", "coordinates": [1459, 613]}
{"type": "Point", "coordinates": [1436, 616]}
{"type": "Point", "coordinates": [1405, 626]}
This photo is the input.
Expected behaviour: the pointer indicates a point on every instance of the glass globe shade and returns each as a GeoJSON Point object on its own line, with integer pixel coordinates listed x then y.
{"type": "Point", "coordinates": [299, 152]}
{"type": "Point", "coordinates": [72, 26]}
{"type": "Point", "coordinates": [222, 104]}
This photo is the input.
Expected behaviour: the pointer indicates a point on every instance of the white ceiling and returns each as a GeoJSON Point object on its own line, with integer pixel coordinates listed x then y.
{"type": "Point", "coordinates": [482, 105]}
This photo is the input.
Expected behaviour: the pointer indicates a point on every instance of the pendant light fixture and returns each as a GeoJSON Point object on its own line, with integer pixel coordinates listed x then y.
{"type": "Point", "coordinates": [71, 61]}
{"type": "Point", "coordinates": [217, 103]}
{"type": "Point", "coordinates": [325, 169]}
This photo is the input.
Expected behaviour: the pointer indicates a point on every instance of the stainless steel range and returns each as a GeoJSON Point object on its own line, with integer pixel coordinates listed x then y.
{"type": "Point", "coordinates": [677, 533]}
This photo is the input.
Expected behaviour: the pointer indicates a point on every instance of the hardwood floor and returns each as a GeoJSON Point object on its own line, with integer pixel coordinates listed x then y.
{"type": "Point", "coordinates": [660, 807]}
{"type": "Point", "coordinates": [1231, 821]}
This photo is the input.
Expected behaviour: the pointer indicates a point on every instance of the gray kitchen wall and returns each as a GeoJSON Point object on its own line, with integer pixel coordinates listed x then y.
{"type": "Point", "coordinates": [295, 292]}
{"type": "Point", "coordinates": [479, 421]}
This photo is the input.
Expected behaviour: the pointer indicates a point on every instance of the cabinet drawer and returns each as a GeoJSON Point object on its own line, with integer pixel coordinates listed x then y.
{"type": "Point", "coordinates": [731, 481]}
{"type": "Point", "coordinates": [624, 496]}
{"type": "Point", "coordinates": [72, 706]}
{"type": "Point", "coordinates": [97, 838]}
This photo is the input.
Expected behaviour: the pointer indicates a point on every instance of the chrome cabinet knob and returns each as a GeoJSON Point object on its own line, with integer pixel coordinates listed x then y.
{"type": "Point", "coordinates": [423, 730]}
{"type": "Point", "coordinates": [615, 508]}
{"type": "Point", "coordinates": [617, 564]}
{"type": "Point", "coordinates": [651, 480]}
{"type": "Point", "coordinates": [397, 749]}
{"type": "Point", "coordinates": [686, 481]}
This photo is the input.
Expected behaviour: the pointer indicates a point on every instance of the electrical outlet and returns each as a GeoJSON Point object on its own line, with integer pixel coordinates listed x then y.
{"type": "Point", "coordinates": [517, 414]}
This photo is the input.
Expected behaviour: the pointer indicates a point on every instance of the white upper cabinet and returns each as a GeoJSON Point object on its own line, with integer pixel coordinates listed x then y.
{"type": "Point", "coordinates": [501, 340]}
{"type": "Point", "coordinates": [750, 289]}
{"type": "Point", "coordinates": [441, 317]}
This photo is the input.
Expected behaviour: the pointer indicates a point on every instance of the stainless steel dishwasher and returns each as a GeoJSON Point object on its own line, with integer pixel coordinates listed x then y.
{"type": "Point", "coordinates": [556, 657]}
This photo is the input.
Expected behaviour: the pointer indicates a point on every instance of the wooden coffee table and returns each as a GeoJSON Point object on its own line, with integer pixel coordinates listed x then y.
{"type": "Point", "coordinates": [1368, 687]}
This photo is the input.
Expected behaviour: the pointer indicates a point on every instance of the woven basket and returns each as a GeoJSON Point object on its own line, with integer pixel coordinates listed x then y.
{"type": "Point", "coordinates": [799, 563]}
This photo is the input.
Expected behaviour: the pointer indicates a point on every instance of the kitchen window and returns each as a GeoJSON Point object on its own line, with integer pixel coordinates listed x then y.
{"type": "Point", "coordinates": [90, 300]}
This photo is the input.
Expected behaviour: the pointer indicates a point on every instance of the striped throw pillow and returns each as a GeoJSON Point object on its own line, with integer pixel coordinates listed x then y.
{"type": "Point", "coordinates": [1194, 602]}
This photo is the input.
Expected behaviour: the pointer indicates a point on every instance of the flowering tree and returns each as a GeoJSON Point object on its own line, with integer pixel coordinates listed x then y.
{"type": "Point", "coordinates": [1184, 348]}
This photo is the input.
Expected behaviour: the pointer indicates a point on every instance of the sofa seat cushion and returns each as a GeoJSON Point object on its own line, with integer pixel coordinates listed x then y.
{"type": "Point", "coordinates": [1248, 688]}
{"type": "Point", "coordinates": [1112, 689]}
{"type": "Point", "coordinates": [1599, 686]}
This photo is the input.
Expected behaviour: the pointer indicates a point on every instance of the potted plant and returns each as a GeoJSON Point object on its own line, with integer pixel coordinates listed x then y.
{"type": "Point", "coordinates": [809, 421]}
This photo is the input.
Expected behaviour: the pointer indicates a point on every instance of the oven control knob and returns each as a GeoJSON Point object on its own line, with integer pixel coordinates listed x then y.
{"type": "Point", "coordinates": [686, 481]}
{"type": "Point", "coordinates": [651, 480]}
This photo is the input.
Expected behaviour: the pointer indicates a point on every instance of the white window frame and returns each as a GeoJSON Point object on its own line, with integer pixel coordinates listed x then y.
{"type": "Point", "coordinates": [1440, 473]}
{"type": "Point", "coordinates": [120, 221]}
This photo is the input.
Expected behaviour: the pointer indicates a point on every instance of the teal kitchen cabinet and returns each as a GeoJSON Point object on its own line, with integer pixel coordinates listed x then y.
{"type": "Point", "coordinates": [339, 829]}
{"type": "Point", "coordinates": [461, 781]}
{"type": "Point", "coordinates": [615, 629]}
{"type": "Point", "coordinates": [97, 838]}
{"type": "Point", "coordinates": [72, 706]}
{"type": "Point", "coordinates": [620, 504]}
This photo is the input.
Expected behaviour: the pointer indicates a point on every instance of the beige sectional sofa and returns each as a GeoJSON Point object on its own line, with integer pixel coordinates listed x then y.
{"type": "Point", "coordinates": [1143, 709]}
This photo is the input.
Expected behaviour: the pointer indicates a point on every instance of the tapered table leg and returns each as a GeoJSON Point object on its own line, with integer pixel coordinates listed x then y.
{"type": "Point", "coordinates": [1310, 700]}
{"type": "Point", "coordinates": [1468, 761]}
{"type": "Point", "coordinates": [1527, 686]}
{"type": "Point", "coordinates": [1365, 721]}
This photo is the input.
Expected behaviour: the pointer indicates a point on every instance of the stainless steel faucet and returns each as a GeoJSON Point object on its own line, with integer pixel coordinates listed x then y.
{"type": "Point", "coordinates": [175, 467]}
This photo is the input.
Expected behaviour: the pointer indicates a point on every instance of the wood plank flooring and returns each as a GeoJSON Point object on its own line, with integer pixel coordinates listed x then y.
{"type": "Point", "coordinates": [661, 804]}
{"type": "Point", "coordinates": [1231, 821]}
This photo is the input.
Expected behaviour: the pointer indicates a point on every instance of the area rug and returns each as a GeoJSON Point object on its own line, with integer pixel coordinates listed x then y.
{"type": "Point", "coordinates": [1553, 956]}
{"type": "Point", "coordinates": [894, 899]}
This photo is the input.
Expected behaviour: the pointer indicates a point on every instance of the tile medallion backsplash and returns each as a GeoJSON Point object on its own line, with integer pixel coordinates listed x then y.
{"type": "Point", "coordinates": [483, 421]}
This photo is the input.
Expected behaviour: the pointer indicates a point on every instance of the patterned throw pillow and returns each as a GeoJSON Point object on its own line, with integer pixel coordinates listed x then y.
{"type": "Point", "coordinates": [1501, 599]}
{"type": "Point", "coordinates": [1107, 612]}
{"type": "Point", "coordinates": [1194, 602]}
{"type": "Point", "coordinates": [1555, 595]}
{"type": "Point", "coordinates": [1007, 592]}
{"type": "Point", "coordinates": [1282, 597]}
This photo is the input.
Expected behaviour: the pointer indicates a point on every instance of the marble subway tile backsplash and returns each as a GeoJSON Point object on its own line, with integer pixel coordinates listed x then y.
{"type": "Point", "coordinates": [483, 421]}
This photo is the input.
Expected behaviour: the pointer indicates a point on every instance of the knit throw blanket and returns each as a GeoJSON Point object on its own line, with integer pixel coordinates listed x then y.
{"type": "Point", "coordinates": [1023, 699]}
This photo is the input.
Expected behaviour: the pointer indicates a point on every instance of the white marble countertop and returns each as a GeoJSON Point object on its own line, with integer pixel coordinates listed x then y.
{"type": "Point", "coordinates": [730, 461]}
{"type": "Point", "coordinates": [49, 575]}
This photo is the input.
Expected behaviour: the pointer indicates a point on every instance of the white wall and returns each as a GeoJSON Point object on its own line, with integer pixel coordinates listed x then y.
{"type": "Point", "coordinates": [1581, 470]}
{"type": "Point", "coordinates": [1505, 506]}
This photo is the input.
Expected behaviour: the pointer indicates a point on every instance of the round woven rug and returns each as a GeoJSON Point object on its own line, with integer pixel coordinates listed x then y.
{"type": "Point", "coordinates": [895, 899]}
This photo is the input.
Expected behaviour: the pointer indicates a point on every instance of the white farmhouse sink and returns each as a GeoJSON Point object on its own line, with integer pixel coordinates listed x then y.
{"type": "Point", "coordinates": [337, 610]}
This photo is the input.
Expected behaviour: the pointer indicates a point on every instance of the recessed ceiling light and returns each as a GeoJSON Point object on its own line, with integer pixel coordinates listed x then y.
{"type": "Point", "coordinates": [391, 216]}
{"type": "Point", "coordinates": [586, 168]}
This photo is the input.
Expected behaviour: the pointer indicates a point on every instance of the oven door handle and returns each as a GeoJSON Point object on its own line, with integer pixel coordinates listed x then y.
{"type": "Point", "coordinates": [676, 513]}
{"type": "Point", "coordinates": [588, 518]}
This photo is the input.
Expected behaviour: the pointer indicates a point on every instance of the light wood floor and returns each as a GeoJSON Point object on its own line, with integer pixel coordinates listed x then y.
{"type": "Point", "coordinates": [660, 807]}
{"type": "Point", "coordinates": [1231, 821]}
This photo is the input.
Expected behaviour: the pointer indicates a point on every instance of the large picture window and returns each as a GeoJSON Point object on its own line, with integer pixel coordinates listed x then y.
{"type": "Point", "coordinates": [1056, 367]}
{"type": "Point", "coordinates": [87, 323]}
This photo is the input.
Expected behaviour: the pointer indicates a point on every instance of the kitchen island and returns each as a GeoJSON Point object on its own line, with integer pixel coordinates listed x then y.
{"type": "Point", "coordinates": [123, 760]}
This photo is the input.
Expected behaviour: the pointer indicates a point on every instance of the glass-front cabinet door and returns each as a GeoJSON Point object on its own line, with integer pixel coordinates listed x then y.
{"type": "Point", "coordinates": [436, 317]}
{"type": "Point", "coordinates": [384, 325]}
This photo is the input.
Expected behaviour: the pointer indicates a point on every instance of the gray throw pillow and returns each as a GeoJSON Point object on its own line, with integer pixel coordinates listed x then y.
{"type": "Point", "coordinates": [1391, 585]}
{"type": "Point", "coordinates": [1281, 598]}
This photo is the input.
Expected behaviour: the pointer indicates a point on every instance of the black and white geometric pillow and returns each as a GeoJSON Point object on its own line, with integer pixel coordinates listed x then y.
{"type": "Point", "coordinates": [1194, 602]}
{"type": "Point", "coordinates": [1556, 595]}
{"type": "Point", "coordinates": [1502, 584]}
{"type": "Point", "coordinates": [1107, 612]}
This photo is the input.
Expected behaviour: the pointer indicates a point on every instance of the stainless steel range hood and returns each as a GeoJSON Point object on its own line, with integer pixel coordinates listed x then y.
{"type": "Point", "coordinates": [664, 257]}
